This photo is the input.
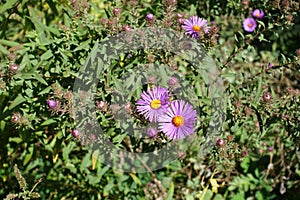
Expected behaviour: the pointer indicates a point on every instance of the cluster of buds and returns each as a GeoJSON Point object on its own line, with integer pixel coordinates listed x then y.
{"type": "Point", "coordinates": [63, 100]}
{"type": "Point", "coordinates": [80, 7]}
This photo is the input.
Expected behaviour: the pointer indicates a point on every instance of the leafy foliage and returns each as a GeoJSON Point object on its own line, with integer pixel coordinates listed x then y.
{"type": "Point", "coordinates": [43, 46]}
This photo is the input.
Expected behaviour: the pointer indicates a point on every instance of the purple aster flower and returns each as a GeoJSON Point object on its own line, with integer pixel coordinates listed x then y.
{"type": "Point", "coordinates": [249, 24]}
{"type": "Point", "coordinates": [153, 103]}
{"type": "Point", "coordinates": [51, 104]}
{"type": "Point", "coordinates": [258, 13]}
{"type": "Point", "coordinates": [195, 25]}
{"type": "Point", "coordinates": [179, 120]}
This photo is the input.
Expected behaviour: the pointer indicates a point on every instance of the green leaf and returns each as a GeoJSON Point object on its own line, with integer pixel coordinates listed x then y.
{"type": "Point", "coordinates": [40, 79]}
{"type": "Point", "coordinates": [29, 155]}
{"type": "Point", "coordinates": [135, 179]}
{"type": "Point", "coordinates": [18, 100]}
{"type": "Point", "coordinates": [170, 191]}
{"type": "Point", "coordinates": [48, 122]}
{"type": "Point", "coordinates": [48, 54]}
{"type": "Point", "coordinates": [208, 195]}
{"type": "Point", "coordinates": [245, 164]}
{"type": "Point", "coordinates": [258, 91]}
{"type": "Point", "coordinates": [45, 91]}
{"type": "Point", "coordinates": [218, 197]}
{"type": "Point", "coordinates": [8, 5]}
{"type": "Point", "coordinates": [3, 50]}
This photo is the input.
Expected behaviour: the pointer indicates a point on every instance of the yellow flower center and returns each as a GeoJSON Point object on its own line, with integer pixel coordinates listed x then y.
{"type": "Point", "coordinates": [178, 121]}
{"type": "Point", "coordinates": [257, 14]}
{"type": "Point", "coordinates": [155, 104]}
{"type": "Point", "coordinates": [250, 25]}
{"type": "Point", "coordinates": [196, 28]}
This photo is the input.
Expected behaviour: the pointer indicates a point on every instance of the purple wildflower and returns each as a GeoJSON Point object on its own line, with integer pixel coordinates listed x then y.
{"type": "Point", "coordinates": [249, 24]}
{"type": "Point", "coordinates": [257, 13]}
{"type": "Point", "coordinates": [194, 26]}
{"type": "Point", "coordinates": [179, 120]}
{"type": "Point", "coordinates": [153, 103]}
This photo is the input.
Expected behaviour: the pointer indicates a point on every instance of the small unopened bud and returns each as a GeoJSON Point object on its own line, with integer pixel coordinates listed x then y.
{"type": "Point", "coordinates": [266, 96]}
{"type": "Point", "coordinates": [230, 138]}
{"type": "Point", "coordinates": [179, 15]}
{"type": "Point", "coordinates": [14, 67]}
{"type": "Point", "coordinates": [289, 18]}
{"type": "Point", "coordinates": [245, 2]}
{"type": "Point", "coordinates": [173, 82]}
{"type": "Point", "coordinates": [248, 111]}
{"type": "Point", "coordinates": [244, 153]}
{"type": "Point", "coordinates": [289, 90]}
{"type": "Point", "coordinates": [150, 17]}
{"type": "Point", "coordinates": [68, 95]}
{"type": "Point", "coordinates": [270, 65]}
{"type": "Point", "coordinates": [16, 118]}
{"type": "Point", "coordinates": [181, 21]}
{"type": "Point", "coordinates": [298, 52]}
{"type": "Point", "coordinates": [151, 80]}
{"type": "Point", "coordinates": [75, 133]}
{"type": "Point", "coordinates": [270, 149]}
{"type": "Point", "coordinates": [264, 143]}
{"type": "Point", "coordinates": [93, 137]}
{"type": "Point", "coordinates": [128, 106]}
{"type": "Point", "coordinates": [220, 142]}
{"type": "Point", "coordinates": [11, 56]}
{"type": "Point", "coordinates": [116, 11]}
{"type": "Point", "coordinates": [51, 104]}
{"type": "Point", "coordinates": [127, 28]}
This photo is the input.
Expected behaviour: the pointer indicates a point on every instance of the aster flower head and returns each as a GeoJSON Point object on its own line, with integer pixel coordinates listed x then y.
{"type": "Point", "coordinates": [249, 24]}
{"type": "Point", "coordinates": [258, 13]}
{"type": "Point", "coordinates": [179, 120]}
{"type": "Point", "coordinates": [153, 103]}
{"type": "Point", "coordinates": [194, 26]}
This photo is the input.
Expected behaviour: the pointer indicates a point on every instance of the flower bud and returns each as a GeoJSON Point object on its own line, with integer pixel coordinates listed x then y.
{"type": "Point", "coordinates": [15, 118]}
{"type": "Point", "coordinates": [127, 28]}
{"type": "Point", "coordinates": [244, 153]}
{"type": "Point", "coordinates": [270, 149]}
{"type": "Point", "coordinates": [266, 96]}
{"type": "Point", "coordinates": [75, 133]}
{"type": "Point", "coordinates": [150, 17]}
{"type": "Point", "coordinates": [179, 15]}
{"type": "Point", "coordinates": [220, 142]}
{"type": "Point", "coordinates": [173, 82]}
{"type": "Point", "coordinates": [14, 67]}
{"type": "Point", "coordinates": [116, 11]}
{"type": "Point", "coordinates": [51, 104]}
